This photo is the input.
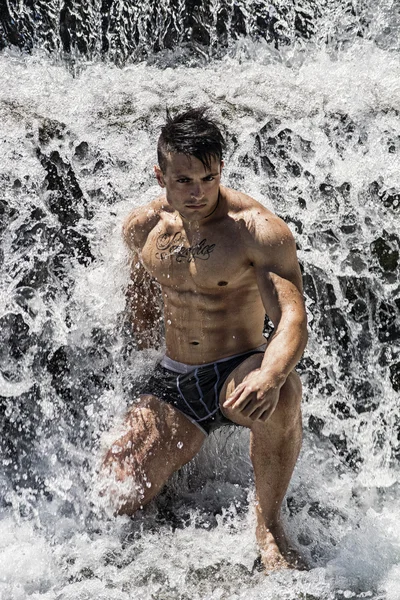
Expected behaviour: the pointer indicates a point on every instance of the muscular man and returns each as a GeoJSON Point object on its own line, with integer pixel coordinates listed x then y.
{"type": "Point", "coordinates": [217, 261]}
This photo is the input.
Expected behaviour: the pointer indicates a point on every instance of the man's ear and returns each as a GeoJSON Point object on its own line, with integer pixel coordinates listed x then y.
{"type": "Point", "coordinates": [159, 176]}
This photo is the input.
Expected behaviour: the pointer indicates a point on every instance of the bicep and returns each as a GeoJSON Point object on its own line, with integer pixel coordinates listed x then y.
{"type": "Point", "coordinates": [279, 279]}
{"type": "Point", "coordinates": [280, 296]}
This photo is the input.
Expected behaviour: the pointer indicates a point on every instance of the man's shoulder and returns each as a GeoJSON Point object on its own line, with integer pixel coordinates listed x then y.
{"type": "Point", "coordinates": [261, 224]}
{"type": "Point", "coordinates": [142, 220]}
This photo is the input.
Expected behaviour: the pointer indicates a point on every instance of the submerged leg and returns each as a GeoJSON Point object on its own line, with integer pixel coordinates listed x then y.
{"type": "Point", "coordinates": [274, 448]}
{"type": "Point", "coordinates": [157, 440]}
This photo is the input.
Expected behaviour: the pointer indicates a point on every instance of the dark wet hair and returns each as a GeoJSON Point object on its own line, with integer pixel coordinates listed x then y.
{"type": "Point", "coordinates": [192, 133]}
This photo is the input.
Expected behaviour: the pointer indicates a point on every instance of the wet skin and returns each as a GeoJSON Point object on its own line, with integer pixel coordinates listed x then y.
{"type": "Point", "coordinates": [215, 261]}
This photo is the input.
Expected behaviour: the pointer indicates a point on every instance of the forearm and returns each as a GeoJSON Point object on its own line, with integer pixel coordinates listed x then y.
{"type": "Point", "coordinates": [285, 349]}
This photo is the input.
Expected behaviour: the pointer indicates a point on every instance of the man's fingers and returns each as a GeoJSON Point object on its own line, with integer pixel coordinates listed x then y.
{"type": "Point", "coordinates": [252, 408]}
{"type": "Point", "coordinates": [234, 396]}
{"type": "Point", "coordinates": [260, 414]}
{"type": "Point", "coordinates": [242, 401]}
{"type": "Point", "coordinates": [264, 416]}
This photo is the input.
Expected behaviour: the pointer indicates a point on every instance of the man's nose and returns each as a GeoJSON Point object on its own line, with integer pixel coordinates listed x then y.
{"type": "Point", "coordinates": [197, 191]}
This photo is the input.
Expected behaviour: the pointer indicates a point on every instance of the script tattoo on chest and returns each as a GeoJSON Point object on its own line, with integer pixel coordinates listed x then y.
{"type": "Point", "coordinates": [174, 245]}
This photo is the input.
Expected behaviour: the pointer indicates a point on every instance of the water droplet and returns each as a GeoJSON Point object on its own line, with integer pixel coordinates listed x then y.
{"type": "Point", "coordinates": [148, 484]}
{"type": "Point", "coordinates": [180, 445]}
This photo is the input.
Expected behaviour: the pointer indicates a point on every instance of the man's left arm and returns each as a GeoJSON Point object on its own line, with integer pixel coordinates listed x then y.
{"type": "Point", "coordinates": [279, 282]}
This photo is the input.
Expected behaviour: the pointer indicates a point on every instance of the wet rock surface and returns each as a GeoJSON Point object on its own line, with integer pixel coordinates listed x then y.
{"type": "Point", "coordinates": [116, 32]}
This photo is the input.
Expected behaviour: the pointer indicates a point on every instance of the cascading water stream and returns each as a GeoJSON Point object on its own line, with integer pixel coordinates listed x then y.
{"type": "Point", "coordinates": [311, 116]}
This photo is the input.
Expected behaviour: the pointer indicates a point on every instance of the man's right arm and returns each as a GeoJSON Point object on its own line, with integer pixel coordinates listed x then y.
{"type": "Point", "coordinates": [143, 295]}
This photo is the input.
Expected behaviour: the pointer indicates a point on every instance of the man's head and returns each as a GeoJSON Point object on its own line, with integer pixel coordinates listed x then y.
{"type": "Point", "coordinates": [190, 151]}
{"type": "Point", "coordinates": [191, 133]}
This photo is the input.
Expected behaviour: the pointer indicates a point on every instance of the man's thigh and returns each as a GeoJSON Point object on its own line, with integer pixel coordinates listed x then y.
{"type": "Point", "coordinates": [234, 379]}
{"type": "Point", "coordinates": [289, 398]}
{"type": "Point", "coordinates": [155, 440]}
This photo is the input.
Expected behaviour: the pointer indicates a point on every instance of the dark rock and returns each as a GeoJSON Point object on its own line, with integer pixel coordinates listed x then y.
{"type": "Point", "coordinates": [391, 199]}
{"type": "Point", "coordinates": [304, 23]}
{"type": "Point", "coordinates": [281, 150]}
{"type": "Point", "coordinates": [387, 322]}
{"type": "Point", "coordinates": [386, 356]}
{"type": "Point", "coordinates": [348, 229]}
{"type": "Point", "coordinates": [100, 164]}
{"type": "Point", "coordinates": [323, 239]}
{"type": "Point", "coordinates": [298, 225]}
{"type": "Point", "coordinates": [30, 234]}
{"type": "Point", "coordinates": [352, 457]}
{"type": "Point", "coordinates": [341, 330]}
{"type": "Point", "coordinates": [294, 168]}
{"type": "Point", "coordinates": [36, 276]}
{"type": "Point", "coordinates": [8, 29]}
{"type": "Point", "coordinates": [249, 162]}
{"type": "Point", "coordinates": [343, 132]}
{"type": "Point", "coordinates": [23, 297]}
{"type": "Point", "coordinates": [74, 245]}
{"type": "Point", "coordinates": [295, 504]}
{"type": "Point", "coordinates": [309, 287]}
{"type": "Point", "coordinates": [79, 376]}
{"type": "Point", "coordinates": [267, 166]}
{"type": "Point", "coordinates": [316, 425]}
{"type": "Point", "coordinates": [394, 373]}
{"type": "Point", "coordinates": [349, 224]}
{"type": "Point", "coordinates": [67, 200]}
{"type": "Point", "coordinates": [357, 291]}
{"type": "Point", "coordinates": [318, 511]}
{"type": "Point", "coordinates": [341, 409]}
{"type": "Point", "coordinates": [317, 286]}
{"type": "Point", "coordinates": [15, 335]}
{"type": "Point", "coordinates": [21, 425]}
{"type": "Point", "coordinates": [344, 189]}
{"type": "Point", "coordinates": [302, 202]}
{"type": "Point", "coordinates": [311, 371]}
{"type": "Point", "coordinates": [7, 215]}
{"type": "Point", "coordinates": [51, 129]}
{"type": "Point", "coordinates": [82, 151]}
{"type": "Point", "coordinates": [386, 250]}
{"type": "Point", "coordinates": [270, 126]}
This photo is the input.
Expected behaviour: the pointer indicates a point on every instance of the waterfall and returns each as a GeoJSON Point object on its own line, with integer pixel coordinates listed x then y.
{"type": "Point", "coordinates": [308, 96]}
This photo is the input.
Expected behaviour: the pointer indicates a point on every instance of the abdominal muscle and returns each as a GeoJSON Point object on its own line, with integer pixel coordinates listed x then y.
{"type": "Point", "coordinates": [205, 327]}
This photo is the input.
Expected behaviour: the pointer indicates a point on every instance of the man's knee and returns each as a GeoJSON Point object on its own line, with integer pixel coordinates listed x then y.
{"type": "Point", "coordinates": [239, 374]}
{"type": "Point", "coordinates": [125, 493]}
{"type": "Point", "coordinates": [156, 440]}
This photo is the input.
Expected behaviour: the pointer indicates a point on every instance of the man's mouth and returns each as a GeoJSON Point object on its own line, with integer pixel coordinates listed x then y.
{"type": "Point", "coordinates": [195, 205]}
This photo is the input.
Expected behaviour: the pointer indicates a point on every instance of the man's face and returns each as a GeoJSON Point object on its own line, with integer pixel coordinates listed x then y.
{"type": "Point", "coordinates": [191, 189]}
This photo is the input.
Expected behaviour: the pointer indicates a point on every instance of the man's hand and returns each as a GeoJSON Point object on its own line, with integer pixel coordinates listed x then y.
{"type": "Point", "coordinates": [256, 397]}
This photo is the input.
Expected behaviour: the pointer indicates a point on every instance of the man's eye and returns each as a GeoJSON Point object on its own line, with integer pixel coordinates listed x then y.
{"type": "Point", "coordinates": [209, 178]}
{"type": "Point", "coordinates": [183, 180]}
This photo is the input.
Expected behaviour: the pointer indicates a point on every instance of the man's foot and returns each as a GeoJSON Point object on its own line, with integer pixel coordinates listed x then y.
{"type": "Point", "coordinates": [275, 553]}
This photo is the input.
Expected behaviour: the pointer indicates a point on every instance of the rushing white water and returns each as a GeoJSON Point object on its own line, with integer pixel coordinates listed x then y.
{"type": "Point", "coordinates": [314, 136]}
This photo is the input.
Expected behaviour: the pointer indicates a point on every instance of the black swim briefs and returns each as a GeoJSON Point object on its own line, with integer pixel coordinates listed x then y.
{"type": "Point", "coordinates": [196, 393]}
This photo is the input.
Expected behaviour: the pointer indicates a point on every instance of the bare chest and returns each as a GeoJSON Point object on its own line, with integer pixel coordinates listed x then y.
{"type": "Point", "coordinates": [208, 260]}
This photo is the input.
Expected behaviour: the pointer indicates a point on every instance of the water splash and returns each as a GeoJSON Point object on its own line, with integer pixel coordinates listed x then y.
{"type": "Point", "coordinates": [313, 135]}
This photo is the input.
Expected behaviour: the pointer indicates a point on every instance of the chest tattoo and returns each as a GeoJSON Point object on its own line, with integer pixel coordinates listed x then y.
{"type": "Point", "coordinates": [174, 245]}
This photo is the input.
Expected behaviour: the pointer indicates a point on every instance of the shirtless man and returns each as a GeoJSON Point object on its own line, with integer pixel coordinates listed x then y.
{"type": "Point", "coordinates": [218, 261]}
